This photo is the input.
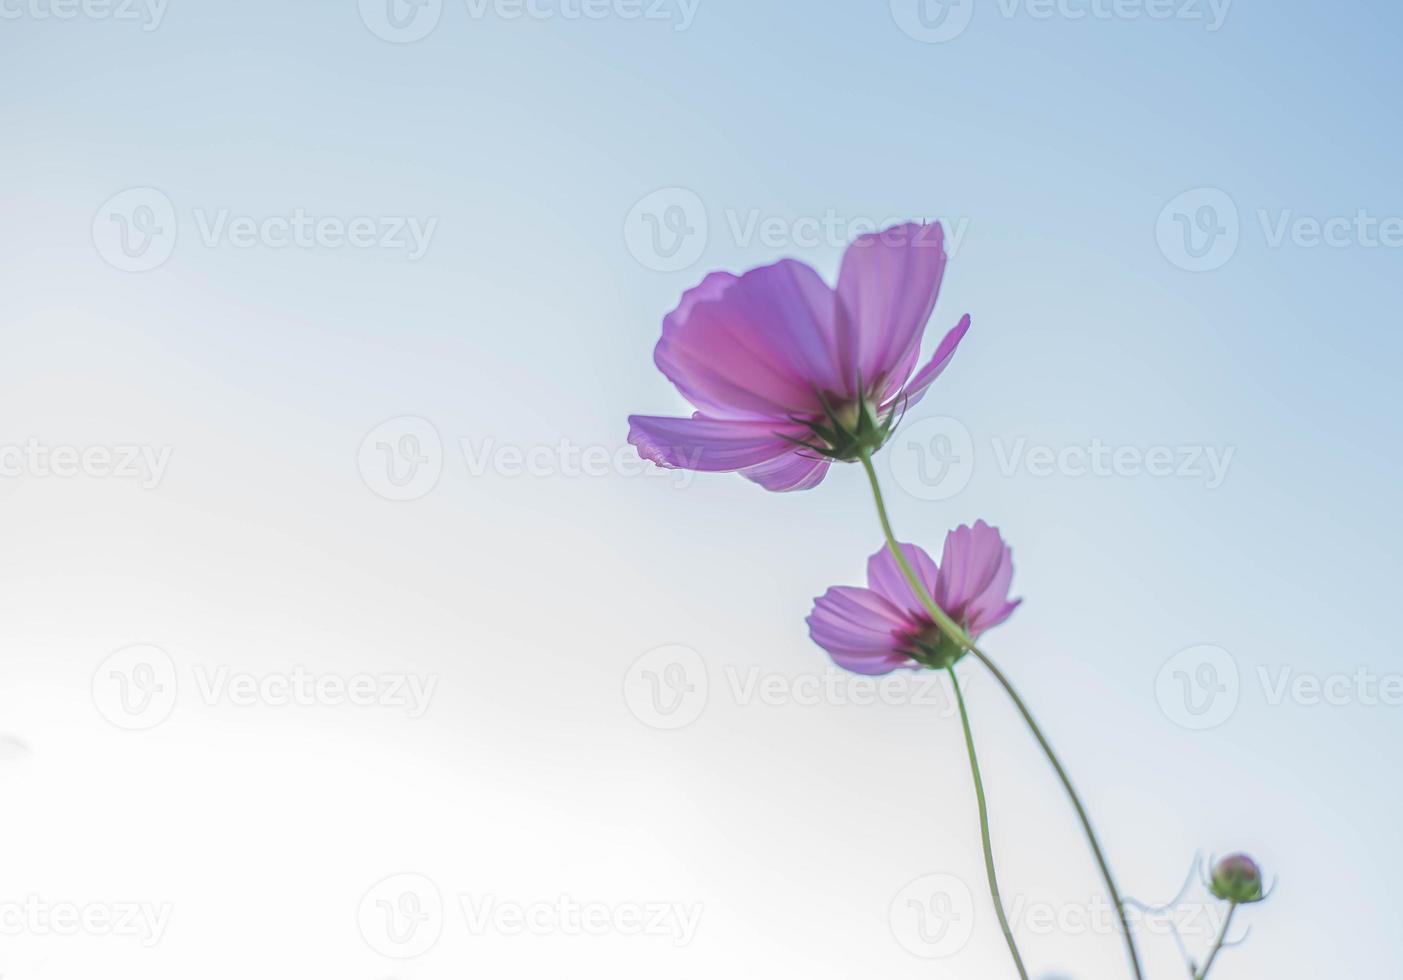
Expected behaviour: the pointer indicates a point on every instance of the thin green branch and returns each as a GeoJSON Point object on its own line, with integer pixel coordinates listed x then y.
{"type": "Point", "coordinates": [957, 634]}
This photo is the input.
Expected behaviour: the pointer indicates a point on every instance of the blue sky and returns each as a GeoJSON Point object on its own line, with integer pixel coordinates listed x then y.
{"type": "Point", "coordinates": [253, 239]}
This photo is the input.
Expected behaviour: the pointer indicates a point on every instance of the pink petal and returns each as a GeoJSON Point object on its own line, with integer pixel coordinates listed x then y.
{"type": "Point", "coordinates": [798, 470]}
{"type": "Point", "coordinates": [752, 347]}
{"type": "Point", "coordinates": [976, 570]}
{"type": "Point", "coordinates": [887, 289]}
{"type": "Point", "coordinates": [859, 629]}
{"type": "Point", "coordinates": [710, 445]}
{"type": "Point", "coordinates": [884, 577]}
{"type": "Point", "coordinates": [926, 376]}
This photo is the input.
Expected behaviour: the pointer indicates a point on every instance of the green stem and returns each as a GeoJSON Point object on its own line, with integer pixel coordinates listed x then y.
{"type": "Point", "coordinates": [956, 633]}
{"type": "Point", "coordinates": [1217, 946]}
{"type": "Point", "coordinates": [984, 827]}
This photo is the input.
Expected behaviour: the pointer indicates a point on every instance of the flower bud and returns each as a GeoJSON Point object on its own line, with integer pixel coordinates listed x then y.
{"type": "Point", "coordinates": [1236, 878]}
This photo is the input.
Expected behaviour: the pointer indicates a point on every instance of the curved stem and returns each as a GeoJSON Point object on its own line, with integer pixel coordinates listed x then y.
{"type": "Point", "coordinates": [1082, 815]}
{"type": "Point", "coordinates": [1218, 946]}
{"type": "Point", "coordinates": [956, 633]}
{"type": "Point", "coordinates": [984, 827]}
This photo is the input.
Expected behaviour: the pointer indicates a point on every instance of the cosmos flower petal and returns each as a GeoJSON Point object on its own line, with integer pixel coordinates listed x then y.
{"type": "Point", "coordinates": [885, 578]}
{"type": "Point", "coordinates": [993, 616]}
{"type": "Point", "coordinates": [860, 629]}
{"type": "Point", "coordinates": [757, 346]}
{"type": "Point", "coordinates": [926, 376]}
{"type": "Point", "coordinates": [976, 569]}
{"type": "Point", "coordinates": [888, 286]}
{"type": "Point", "coordinates": [792, 471]}
{"type": "Point", "coordinates": [709, 445]}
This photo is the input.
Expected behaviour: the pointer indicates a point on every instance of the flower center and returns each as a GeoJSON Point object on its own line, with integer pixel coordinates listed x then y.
{"type": "Point", "coordinates": [848, 429]}
{"type": "Point", "coordinates": [932, 648]}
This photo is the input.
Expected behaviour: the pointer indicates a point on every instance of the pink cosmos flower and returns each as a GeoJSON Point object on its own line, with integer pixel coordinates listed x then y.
{"type": "Point", "coordinates": [787, 374]}
{"type": "Point", "coordinates": [884, 627]}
